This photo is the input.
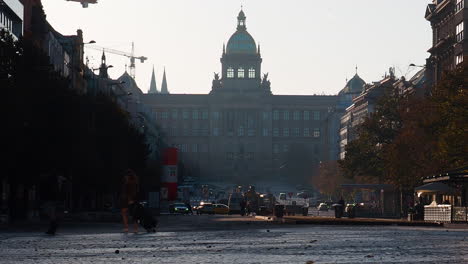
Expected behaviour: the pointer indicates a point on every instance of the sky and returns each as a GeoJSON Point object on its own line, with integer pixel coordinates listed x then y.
{"type": "Point", "coordinates": [308, 46]}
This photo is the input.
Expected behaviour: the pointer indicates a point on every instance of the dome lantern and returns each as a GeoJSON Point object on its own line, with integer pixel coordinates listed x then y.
{"type": "Point", "coordinates": [241, 21]}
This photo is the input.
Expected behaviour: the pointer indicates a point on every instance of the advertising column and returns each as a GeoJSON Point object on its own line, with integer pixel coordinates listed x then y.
{"type": "Point", "coordinates": [169, 177]}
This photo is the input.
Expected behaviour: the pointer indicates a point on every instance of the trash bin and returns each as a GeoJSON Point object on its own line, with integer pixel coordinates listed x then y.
{"type": "Point", "coordinates": [338, 210]}
{"type": "Point", "coordinates": [305, 211]}
{"type": "Point", "coordinates": [279, 210]}
{"type": "Point", "coordinates": [351, 210]}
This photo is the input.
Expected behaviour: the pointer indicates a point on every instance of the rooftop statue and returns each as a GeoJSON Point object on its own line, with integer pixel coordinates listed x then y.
{"type": "Point", "coordinates": [216, 81]}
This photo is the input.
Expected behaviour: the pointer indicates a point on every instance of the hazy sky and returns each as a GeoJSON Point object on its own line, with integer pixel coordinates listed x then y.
{"type": "Point", "coordinates": [308, 46]}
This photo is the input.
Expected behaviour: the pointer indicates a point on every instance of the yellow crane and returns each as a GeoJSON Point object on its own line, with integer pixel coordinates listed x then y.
{"type": "Point", "coordinates": [130, 55]}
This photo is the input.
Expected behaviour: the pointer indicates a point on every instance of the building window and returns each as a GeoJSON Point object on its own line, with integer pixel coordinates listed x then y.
{"type": "Point", "coordinates": [251, 73]}
{"type": "Point", "coordinates": [296, 132]}
{"type": "Point", "coordinates": [185, 114]}
{"type": "Point", "coordinates": [215, 115]}
{"type": "Point", "coordinates": [316, 115]}
{"type": "Point", "coordinates": [306, 132]}
{"type": "Point", "coordinates": [195, 114]}
{"type": "Point", "coordinates": [184, 148]}
{"type": "Point", "coordinates": [186, 131]}
{"type": "Point", "coordinates": [286, 115]}
{"type": "Point", "coordinates": [285, 148]}
{"type": "Point", "coordinates": [296, 115]}
{"type": "Point", "coordinates": [251, 132]}
{"type": "Point", "coordinates": [174, 131]}
{"type": "Point", "coordinates": [265, 132]}
{"type": "Point", "coordinates": [276, 115]}
{"type": "Point", "coordinates": [459, 31]}
{"type": "Point", "coordinates": [216, 131]}
{"type": "Point", "coordinates": [306, 115]}
{"type": "Point", "coordinates": [240, 73]}
{"type": "Point", "coordinates": [459, 59]}
{"type": "Point", "coordinates": [230, 73]}
{"type": "Point", "coordinates": [460, 5]}
{"type": "Point", "coordinates": [275, 132]}
{"type": "Point", "coordinates": [316, 132]}
{"type": "Point", "coordinates": [240, 131]}
{"type": "Point", "coordinates": [205, 115]}
{"type": "Point", "coordinates": [265, 115]}
{"type": "Point", "coordinates": [230, 156]}
{"type": "Point", "coordinates": [249, 156]}
{"type": "Point", "coordinates": [164, 115]}
{"type": "Point", "coordinates": [275, 148]}
{"type": "Point", "coordinates": [174, 114]}
{"type": "Point", "coordinates": [285, 132]}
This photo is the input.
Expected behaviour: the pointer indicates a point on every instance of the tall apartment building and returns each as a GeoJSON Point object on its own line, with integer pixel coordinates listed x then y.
{"type": "Point", "coordinates": [449, 41]}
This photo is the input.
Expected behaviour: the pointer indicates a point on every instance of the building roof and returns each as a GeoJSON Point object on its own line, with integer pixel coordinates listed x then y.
{"type": "Point", "coordinates": [130, 84]}
{"type": "Point", "coordinates": [355, 85]}
{"type": "Point", "coordinates": [241, 42]}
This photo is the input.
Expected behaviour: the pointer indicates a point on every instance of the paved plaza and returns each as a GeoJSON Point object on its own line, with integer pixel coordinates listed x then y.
{"type": "Point", "coordinates": [227, 239]}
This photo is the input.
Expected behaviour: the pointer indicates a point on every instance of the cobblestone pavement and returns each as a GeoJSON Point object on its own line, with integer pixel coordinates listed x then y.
{"type": "Point", "coordinates": [215, 239]}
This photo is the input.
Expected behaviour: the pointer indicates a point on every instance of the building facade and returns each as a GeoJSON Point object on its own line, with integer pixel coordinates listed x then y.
{"type": "Point", "coordinates": [240, 131]}
{"type": "Point", "coordinates": [12, 16]}
{"type": "Point", "coordinates": [363, 104]}
{"type": "Point", "coordinates": [449, 49]}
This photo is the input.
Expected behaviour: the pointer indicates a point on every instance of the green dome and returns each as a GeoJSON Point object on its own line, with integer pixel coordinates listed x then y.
{"type": "Point", "coordinates": [241, 42]}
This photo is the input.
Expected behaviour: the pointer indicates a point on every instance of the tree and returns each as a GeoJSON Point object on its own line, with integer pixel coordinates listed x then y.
{"type": "Point", "coordinates": [408, 138]}
{"type": "Point", "coordinates": [329, 179]}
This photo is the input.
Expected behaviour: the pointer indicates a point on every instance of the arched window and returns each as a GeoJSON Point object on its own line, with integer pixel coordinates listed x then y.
{"type": "Point", "coordinates": [230, 72]}
{"type": "Point", "coordinates": [240, 73]}
{"type": "Point", "coordinates": [251, 73]}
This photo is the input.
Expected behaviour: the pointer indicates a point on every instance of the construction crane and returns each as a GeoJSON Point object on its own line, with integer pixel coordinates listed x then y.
{"type": "Point", "coordinates": [122, 53]}
{"type": "Point", "coordinates": [85, 3]}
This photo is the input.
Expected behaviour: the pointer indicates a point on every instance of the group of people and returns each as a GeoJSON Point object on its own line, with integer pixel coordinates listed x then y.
{"type": "Point", "coordinates": [52, 195]}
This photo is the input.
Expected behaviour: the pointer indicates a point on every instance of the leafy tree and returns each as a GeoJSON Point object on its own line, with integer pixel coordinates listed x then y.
{"type": "Point", "coordinates": [409, 138]}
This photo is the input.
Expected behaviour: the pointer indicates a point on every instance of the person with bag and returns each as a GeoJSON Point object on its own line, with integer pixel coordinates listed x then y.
{"type": "Point", "coordinates": [128, 199]}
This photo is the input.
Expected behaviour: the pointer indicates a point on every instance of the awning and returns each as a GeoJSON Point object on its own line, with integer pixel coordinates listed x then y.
{"type": "Point", "coordinates": [435, 187]}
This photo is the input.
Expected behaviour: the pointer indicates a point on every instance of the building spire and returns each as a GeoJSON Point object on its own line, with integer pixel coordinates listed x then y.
{"type": "Point", "coordinates": [103, 69]}
{"type": "Point", "coordinates": [153, 89]}
{"type": "Point", "coordinates": [241, 21]}
{"type": "Point", "coordinates": [164, 89]}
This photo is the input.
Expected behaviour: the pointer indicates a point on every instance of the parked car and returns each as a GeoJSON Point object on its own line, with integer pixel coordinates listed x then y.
{"type": "Point", "coordinates": [322, 207]}
{"type": "Point", "coordinates": [205, 208]}
{"type": "Point", "coordinates": [221, 209]}
{"type": "Point", "coordinates": [179, 208]}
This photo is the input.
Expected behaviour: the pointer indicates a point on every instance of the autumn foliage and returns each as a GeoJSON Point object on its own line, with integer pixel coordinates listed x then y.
{"type": "Point", "coordinates": [408, 138]}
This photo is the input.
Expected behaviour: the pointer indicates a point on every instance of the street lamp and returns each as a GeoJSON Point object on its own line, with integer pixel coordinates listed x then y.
{"type": "Point", "coordinates": [414, 65]}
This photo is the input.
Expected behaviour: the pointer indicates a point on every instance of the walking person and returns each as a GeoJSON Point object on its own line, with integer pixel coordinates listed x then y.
{"type": "Point", "coordinates": [128, 199]}
{"type": "Point", "coordinates": [51, 193]}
